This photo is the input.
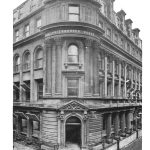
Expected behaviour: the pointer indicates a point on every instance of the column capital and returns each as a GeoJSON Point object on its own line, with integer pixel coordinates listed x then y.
{"type": "Point", "coordinates": [97, 44]}
{"type": "Point", "coordinates": [58, 41]}
{"type": "Point", "coordinates": [88, 42]}
{"type": "Point", "coordinates": [48, 41]}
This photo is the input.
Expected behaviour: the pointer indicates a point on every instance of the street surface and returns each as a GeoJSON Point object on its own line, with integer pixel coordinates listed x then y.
{"type": "Point", "coordinates": [136, 145]}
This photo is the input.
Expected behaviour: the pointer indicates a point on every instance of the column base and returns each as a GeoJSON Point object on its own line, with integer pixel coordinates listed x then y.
{"type": "Point", "coordinates": [109, 140]}
{"type": "Point", "coordinates": [123, 134]}
{"type": "Point", "coordinates": [117, 137]}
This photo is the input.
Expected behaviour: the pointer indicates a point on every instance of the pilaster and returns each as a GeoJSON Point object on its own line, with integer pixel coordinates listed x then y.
{"type": "Point", "coordinates": [105, 80]}
{"type": "Point", "coordinates": [88, 44]}
{"type": "Point", "coordinates": [119, 89]}
{"type": "Point", "coordinates": [58, 85]}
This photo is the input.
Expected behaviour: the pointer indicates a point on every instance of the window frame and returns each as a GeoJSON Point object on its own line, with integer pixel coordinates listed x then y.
{"type": "Point", "coordinates": [27, 32]}
{"type": "Point", "coordinates": [73, 13]}
{"type": "Point", "coordinates": [17, 35]}
{"type": "Point", "coordinates": [16, 64]}
{"type": "Point", "coordinates": [68, 55]}
{"type": "Point", "coordinates": [38, 27]}
{"type": "Point", "coordinates": [77, 87]}
{"type": "Point", "coordinates": [26, 64]}
{"type": "Point", "coordinates": [108, 33]}
{"type": "Point", "coordinates": [38, 60]}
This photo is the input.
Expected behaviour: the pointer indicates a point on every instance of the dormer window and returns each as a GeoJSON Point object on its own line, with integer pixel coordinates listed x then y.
{"type": "Point", "coordinates": [74, 13]}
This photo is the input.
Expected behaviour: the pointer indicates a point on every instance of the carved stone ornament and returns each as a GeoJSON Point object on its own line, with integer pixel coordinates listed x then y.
{"type": "Point", "coordinates": [74, 105]}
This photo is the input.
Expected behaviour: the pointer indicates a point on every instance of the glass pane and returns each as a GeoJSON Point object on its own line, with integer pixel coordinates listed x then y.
{"type": "Point", "coordinates": [72, 59]}
{"type": "Point", "coordinates": [73, 17]}
{"type": "Point", "coordinates": [35, 125]}
{"type": "Point", "coordinates": [18, 61]}
{"type": "Point", "coordinates": [73, 50]}
{"type": "Point", "coordinates": [72, 83]}
{"type": "Point", "coordinates": [72, 92]}
{"type": "Point", "coordinates": [74, 9]}
{"type": "Point", "coordinates": [39, 23]}
{"type": "Point", "coordinates": [39, 54]}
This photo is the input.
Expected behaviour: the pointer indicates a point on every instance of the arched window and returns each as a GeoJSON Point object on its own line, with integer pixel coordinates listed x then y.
{"type": "Point", "coordinates": [73, 56]}
{"type": "Point", "coordinates": [16, 63]}
{"type": "Point", "coordinates": [26, 61]}
{"type": "Point", "coordinates": [39, 58]}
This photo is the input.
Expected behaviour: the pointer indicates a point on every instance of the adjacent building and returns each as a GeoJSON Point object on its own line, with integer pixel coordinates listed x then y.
{"type": "Point", "coordinates": [77, 74]}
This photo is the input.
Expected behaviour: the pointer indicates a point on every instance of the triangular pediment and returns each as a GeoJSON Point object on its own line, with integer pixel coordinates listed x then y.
{"type": "Point", "coordinates": [74, 105]}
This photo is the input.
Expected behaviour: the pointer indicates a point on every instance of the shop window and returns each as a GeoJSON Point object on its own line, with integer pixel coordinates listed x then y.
{"type": "Point", "coordinates": [73, 87]}
{"type": "Point", "coordinates": [26, 88]}
{"type": "Point", "coordinates": [36, 128]}
{"type": "Point", "coordinates": [26, 61]}
{"type": "Point", "coordinates": [39, 58]}
{"type": "Point", "coordinates": [74, 13]}
{"type": "Point", "coordinates": [24, 125]}
{"type": "Point", "coordinates": [27, 30]}
{"type": "Point", "coordinates": [73, 56]}
{"type": "Point", "coordinates": [16, 91]}
{"type": "Point", "coordinates": [40, 88]}
{"type": "Point", "coordinates": [16, 64]}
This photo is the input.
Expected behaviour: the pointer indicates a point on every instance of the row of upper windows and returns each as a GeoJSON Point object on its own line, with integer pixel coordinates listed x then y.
{"type": "Point", "coordinates": [72, 57]}
{"type": "Point", "coordinates": [101, 65]}
{"type": "Point", "coordinates": [26, 30]}
{"type": "Point", "coordinates": [123, 44]}
{"type": "Point", "coordinates": [38, 60]}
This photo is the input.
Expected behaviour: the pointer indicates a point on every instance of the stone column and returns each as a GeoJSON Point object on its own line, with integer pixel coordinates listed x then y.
{"type": "Point", "coordinates": [18, 123]}
{"type": "Point", "coordinates": [116, 124]}
{"type": "Point", "coordinates": [29, 128]}
{"type": "Point", "coordinates": [128, 122]}
{"type": "Point", "coordinates": [47, 67]}
{"type": "Point", "coordinates": [53, 69]}
{"type": "Point", "coordinates": [123, 124]}
{"type": "Point", "coordinates": [139, 80]}
{"type": "Point", "coordinates": [125, 79]}
{"type": "Point", "coordinates": [58, 87]}
{"type": "Point", "coordinates": [96, 70]}
{"type": "Point", "coordinates": [21, 81]}
{"type": "Point", "coordinates": [32, 91]}
{"type": "Point", "coordinates": [113, 79]}
{"type": "Point", "coordinates": [108, 127]}
{"type": "Point", "coordinates": [105, 80]}
{"type": "Point", "coordinates": [88, 44]}
{"type": "Point", "coordinates": [119, 89]}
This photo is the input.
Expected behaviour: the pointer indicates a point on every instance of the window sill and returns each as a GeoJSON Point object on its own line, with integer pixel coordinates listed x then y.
{"type": "Point", "coordinates": [24, 71]}
{"type": "Point", "coordinates": [72, 64]}
{"type": "Point", "coordinates": [40, 68]}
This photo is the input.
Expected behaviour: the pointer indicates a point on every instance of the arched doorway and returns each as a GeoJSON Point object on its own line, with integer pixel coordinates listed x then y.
{"type": "Point", "coordinates": [73, 131]}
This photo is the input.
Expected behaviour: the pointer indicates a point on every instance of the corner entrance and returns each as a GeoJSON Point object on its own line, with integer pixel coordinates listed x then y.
{"type": "Point", "coordinates": [73, 131]}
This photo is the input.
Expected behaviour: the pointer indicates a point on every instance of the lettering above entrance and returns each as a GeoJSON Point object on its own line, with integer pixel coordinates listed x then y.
{"type": "Point", "coordinates": [74, 106]}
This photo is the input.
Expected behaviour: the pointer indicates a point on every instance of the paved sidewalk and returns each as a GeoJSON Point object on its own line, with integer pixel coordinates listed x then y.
{"type": "Point", "coordinates": [136, 145]}
{"type": "Point", "coordinates": [18, 146]}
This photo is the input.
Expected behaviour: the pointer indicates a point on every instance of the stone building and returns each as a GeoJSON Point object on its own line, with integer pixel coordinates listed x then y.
{"type": "Point", "coordinates": [77, 73]}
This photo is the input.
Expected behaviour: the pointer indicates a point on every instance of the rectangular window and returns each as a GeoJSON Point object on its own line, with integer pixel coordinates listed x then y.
{"type": "Point", "coordinates": [128, 47]}
{"type": "Point", "coordinates": [73, 87]}
{"type": "Point", "coordinates": [40, 89]}
{"type": "Point", "coordinates": [116, 38]}
{"type": "Point", "coordinates": [100, 24]}
{"type": "Point", "coordinates": [74, 13]}
{"type": "Point", "coordinates": [108, 33]}
{"type": "Point", "coordinates": [122, 43]}
{"type": "Point", "coordinates": [17, 35]}
{"type": "Point", "coordinates": [38, 24]}
{"type": "Point", "coordinates": [23, 125]}
{"type": "Point", "coordinates": [36, 129]}
{"type": "Point", "coordinates": [27, 30]}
